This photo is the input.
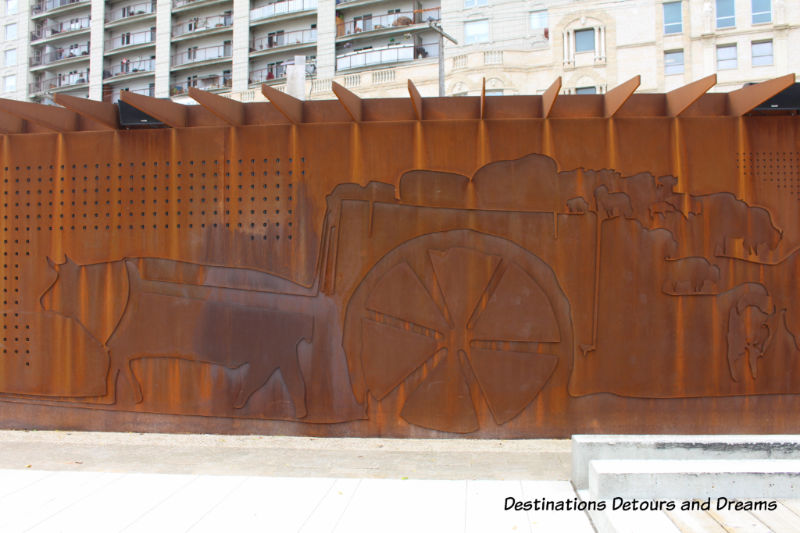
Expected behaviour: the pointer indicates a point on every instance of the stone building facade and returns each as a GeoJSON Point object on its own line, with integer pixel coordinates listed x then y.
{"type": "Point", "coordinates": [96, 48]}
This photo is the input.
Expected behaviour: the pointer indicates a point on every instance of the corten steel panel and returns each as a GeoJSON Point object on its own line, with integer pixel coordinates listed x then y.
{"type": "Point", "coordinates": [405, 268]}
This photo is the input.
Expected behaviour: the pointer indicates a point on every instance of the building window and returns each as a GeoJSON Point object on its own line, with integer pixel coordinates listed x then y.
{"type": "Point", "coordinates": [762, 53]}
{"type": "Point", "coordinates": [762, 11]}
{"type": "Point", "coordinates": [11, 32]}
{"type": "Point", "coordinates": [584, 40]}
{"type": "Point", "coordinates": [539, 23]}
{"type": "Point", "coordinates": [476, 31]}
{"type": "Point", "coordinates": [11, 7]}
{"type": "Point", "coordinates": [494, 92]}
{"type": "Point", "coordinates": [10, 83]}
{"type": "Point", "coordinates": [10, 58]}
{"type": "Point", "coordinates": [726, 16]}
{"type": "Point", "coordinates": [673, 62]}
{"type": "Point", "coordinates": [673, 21]}
{"type": "Point", "coordinates": [726, 57]}
{"type": "Point", "coordinates": [475, 3]}
{"type": "Point", "coordinates": [586, 90]}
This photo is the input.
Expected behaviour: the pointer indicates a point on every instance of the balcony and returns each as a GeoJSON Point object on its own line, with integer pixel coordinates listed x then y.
{"type": "Point", "coordinates": [50, 6]}
{"type": "Point", "coordinates": [277, 73]}
{"type": "Point", "coordinates": [386, 23]}
{"type": "Point", "coordinates": [130, 40]}
{"type": "Point", "coordinates": [384, 56]}
{"type": "Point", "coordinates": [76, 52]}
{"type": "Point", "coordinates": [128, 68]}
{"type": "Point", "coordinates": [281, 40]}
{"type": "Point", "coordinates": [201, 25]}
{"type": "Point", "coordinates": [195, 55]}
{"type": "Point", "coordinates": [283, 7]}
{"type": "Point", "coordinates": [62, 29]}
{"type": "Point", "coordinates": [137, 11]}
{"type": "Point", "coordinates": [147, 91]}
{"type": "Point", "coordinates": [210, 82]}
{"type": "Point", "coordinates": [268, 75]}
{"type": "Point", "coordinates": [61, 82]}
{"type": "Point", "coordinates": [179, 6]}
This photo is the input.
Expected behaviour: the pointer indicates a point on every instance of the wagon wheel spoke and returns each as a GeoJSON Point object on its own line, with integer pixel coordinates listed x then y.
{"type": "Point", "coordinates": [512, 336]}
{"type": "Point", "coordinates": [402, 331]}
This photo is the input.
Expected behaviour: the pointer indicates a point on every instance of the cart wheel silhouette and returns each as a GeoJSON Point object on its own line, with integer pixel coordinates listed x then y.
{"type": "Point", "coordinates": [445, 308]}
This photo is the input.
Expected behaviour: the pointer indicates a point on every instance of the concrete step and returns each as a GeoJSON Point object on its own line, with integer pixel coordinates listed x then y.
{"type": "Point", "coordinates": [655, 479]}
{"type": "Point", "coordinates": [586, 448]}
{"type": "Point", "coordinates": [610, 521]}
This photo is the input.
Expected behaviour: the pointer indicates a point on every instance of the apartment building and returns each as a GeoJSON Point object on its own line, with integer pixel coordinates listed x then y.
{"type": "Point", "coordinates": [161, 48]}
{"type": "Point", "coordinates": [13, 49]}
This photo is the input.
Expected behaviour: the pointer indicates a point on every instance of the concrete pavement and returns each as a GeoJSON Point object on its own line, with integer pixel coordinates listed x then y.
{"type": "Point", "coordinates": [54, 481]}
{"type": "Point", "coordinates": [75, 481]}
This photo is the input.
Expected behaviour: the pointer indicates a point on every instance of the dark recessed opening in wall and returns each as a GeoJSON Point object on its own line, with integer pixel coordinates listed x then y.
{"type": "Point", "coordinates": [130, 117]}
{"type": "Point", "coordinates": [785, 102]}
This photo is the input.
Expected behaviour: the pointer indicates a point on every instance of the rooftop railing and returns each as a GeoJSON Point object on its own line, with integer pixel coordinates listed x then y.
{"type": "Point", "coordinates": [198, 24]}
{"type": "Point", "coordinates": [61, 28]}
{"type": "Point", "coordinates": [115, 14]}
{"type": "Point", "coordinates": [279, 39]}
{"type": "Point", "coordinates": [195, 55]}
{"type": "Point", "coordinates": [281, 8]}
{"type": "Point", "coordinates": [367, 23]}
{"type": "Point", "coordinates": [60, 81]}
{"type": "Point", "coordinates": [125, 67]}
{"type": "Point", "coordinates": [131, 39]}
{"type": "Point", "coordinates": [384, 55]}
{"type": "Point", "coordinates": [59, 54]}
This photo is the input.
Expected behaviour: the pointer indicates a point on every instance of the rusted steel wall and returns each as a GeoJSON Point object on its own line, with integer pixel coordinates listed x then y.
{"type": "Point", "coordinates": [422, 267]}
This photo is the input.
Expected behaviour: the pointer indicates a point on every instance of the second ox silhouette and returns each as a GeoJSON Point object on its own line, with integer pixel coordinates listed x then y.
{"type": "Point", "coordinates": [143, 318]}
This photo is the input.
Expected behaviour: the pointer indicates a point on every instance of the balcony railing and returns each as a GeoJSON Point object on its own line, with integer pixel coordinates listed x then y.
{"type": "Point", "coordinates": [278, 39]}
{"type": "Point", "coordinates": [60, 54]}
{"type": "Point", "coordinates": [131, 39]}
{"type": "Point", "coordinates": [116, 14]}
{"type": "Point", "coordinates": [385, 55]}
{"type": "Point", "coordinates": [60, 81]}
{"type": "Point", "coordinates": [281, 8]}
{"type": "Point", "coordinates": [50, 5]}
{"type": "Point", "coordinates": [278, 72]}
{"type": "Point", "coordinates": [275, 72]}
{"type": "Point", "coordinates": [125, 67]}
{"type": "Point", "coordinates": [62, 28]}
{"type": "Point", "coordinates": [183, 3]}
{"type": "Point", "coordinates": [204, 83]}
{"type": "Point", "coordinates": [195, 55]}
{"type": "Point", "coordinates": [201, 24]}
{"type": "Point", "coordinates": [146, 91]}
{"type": "Point", "coordinates": [394, 20]}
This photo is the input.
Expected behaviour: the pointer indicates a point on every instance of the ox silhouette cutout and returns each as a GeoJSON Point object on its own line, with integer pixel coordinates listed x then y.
{"type": "Point", "coordinates": [156, 319]}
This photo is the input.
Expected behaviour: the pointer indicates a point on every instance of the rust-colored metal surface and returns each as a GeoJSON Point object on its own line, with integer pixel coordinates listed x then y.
{"type": "Point", "coordinates": [516, 266]}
